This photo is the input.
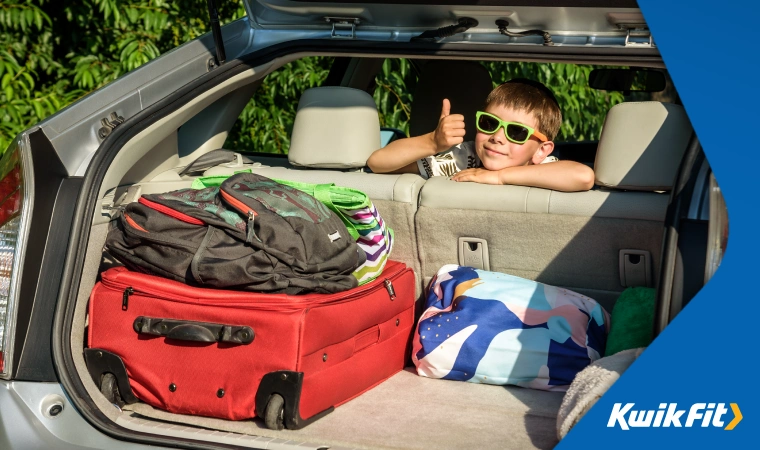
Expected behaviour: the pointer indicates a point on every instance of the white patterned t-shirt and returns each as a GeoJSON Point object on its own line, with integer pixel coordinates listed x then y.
{"type": "Point", "coordinates": [455, 159]}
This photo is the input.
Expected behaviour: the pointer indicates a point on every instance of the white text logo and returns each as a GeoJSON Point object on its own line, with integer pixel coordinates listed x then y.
{"type": "Point", "coordinates": [668, 415]}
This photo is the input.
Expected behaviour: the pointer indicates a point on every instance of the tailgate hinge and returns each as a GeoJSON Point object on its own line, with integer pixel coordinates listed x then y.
{"type": "Point", "coordinates": [342, 25]}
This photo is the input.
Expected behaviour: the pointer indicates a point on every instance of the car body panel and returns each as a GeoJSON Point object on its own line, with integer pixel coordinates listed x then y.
{"type": "Point", "coordinates": [556, 16]}
{"type": "Point", "coordinates": [25, 421]}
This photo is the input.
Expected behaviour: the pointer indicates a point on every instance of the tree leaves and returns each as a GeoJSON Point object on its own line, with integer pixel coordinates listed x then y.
{"type": "Point", "coordinates": [54, 52]}
{"type": "Point", "coordinates": [583, 108]}
{"type": "Point", "coordinates": [393, 95]}
{"type": "Point", "coordinates": [23, 16]}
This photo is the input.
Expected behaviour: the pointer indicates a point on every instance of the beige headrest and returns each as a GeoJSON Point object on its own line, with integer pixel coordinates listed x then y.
{"type": "Point", "coordinates": [641, 146]}
{"type": "Point", "coordinates": [335, 127]}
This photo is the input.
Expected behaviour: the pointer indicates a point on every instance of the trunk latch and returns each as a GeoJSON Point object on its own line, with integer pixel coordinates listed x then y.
{"type": "Point", "coordinates": [637, 37]}
{"type": "Point", "coordinates": [343, 27]}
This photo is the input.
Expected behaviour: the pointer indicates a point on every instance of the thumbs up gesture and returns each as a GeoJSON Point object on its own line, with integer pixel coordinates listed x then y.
{"type": "Point", "coordinates": [450, 130]}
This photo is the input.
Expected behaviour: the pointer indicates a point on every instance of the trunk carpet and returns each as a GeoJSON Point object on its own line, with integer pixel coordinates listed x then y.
{"type": "Point", "coordinates": [412, 412]}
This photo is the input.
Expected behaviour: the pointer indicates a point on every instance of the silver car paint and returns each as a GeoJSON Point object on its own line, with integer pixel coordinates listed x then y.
{"type": "Point", "coordinates": [25, 424]}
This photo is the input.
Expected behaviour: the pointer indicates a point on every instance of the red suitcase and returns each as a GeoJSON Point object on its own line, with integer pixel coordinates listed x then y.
{"type": "Point", "coordinates": [288, 359]}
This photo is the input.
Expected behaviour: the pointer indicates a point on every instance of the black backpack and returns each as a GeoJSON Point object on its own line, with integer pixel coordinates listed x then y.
{"type": "Point", "coordinates": [251, 233]}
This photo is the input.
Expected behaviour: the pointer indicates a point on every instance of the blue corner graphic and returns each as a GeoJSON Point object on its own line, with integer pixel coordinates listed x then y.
{"type": "Point", "coordinates": [707, 353]}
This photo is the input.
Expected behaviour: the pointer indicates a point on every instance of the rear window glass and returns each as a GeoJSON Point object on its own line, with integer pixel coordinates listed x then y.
{"type": "Point", "coordinates": [266, 123]}
{"type": "Point", "coordinates": [583, 108]}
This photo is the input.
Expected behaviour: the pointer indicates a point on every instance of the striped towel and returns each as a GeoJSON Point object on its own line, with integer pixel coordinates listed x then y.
{"type": "Point", "coordinates": [374, 238]}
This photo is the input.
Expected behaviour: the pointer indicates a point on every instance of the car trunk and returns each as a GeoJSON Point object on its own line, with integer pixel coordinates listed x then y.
{"type": "Point", "coordinates": [406, 411]}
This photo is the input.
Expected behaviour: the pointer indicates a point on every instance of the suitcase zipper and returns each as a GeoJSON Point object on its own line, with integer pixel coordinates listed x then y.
{"type": "Point", "coordinates": [389, 288]}
{"type": "Point", "coordinates": [125, 298]}
{"type": "Point", "coordinates": [256, 304]}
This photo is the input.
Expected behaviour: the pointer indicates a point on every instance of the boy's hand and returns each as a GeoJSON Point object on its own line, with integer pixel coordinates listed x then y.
{"type": "Point", "coordinates": [450, 131]}
{"type": "Point", "coordinates": [478, 175]}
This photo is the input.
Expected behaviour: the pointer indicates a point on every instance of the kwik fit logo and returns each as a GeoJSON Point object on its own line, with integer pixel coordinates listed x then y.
{"type": "Point", "coordinates": [669, 415]}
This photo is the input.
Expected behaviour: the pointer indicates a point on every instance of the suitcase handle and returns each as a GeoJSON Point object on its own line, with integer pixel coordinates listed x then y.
{"type": "Point", "coordinates": [186, 330]}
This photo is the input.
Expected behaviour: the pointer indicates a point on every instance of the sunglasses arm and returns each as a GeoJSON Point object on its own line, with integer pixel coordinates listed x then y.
{"type": "Point", "coordinates": [540, 135]}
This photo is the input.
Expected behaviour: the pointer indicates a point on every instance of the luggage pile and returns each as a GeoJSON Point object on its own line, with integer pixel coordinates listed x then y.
{"type": "Point", "coordinates": [249, 297]}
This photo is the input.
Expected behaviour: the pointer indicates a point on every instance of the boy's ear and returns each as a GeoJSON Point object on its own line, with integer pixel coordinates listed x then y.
{"type": "Point", "coordinates": [544, 150]}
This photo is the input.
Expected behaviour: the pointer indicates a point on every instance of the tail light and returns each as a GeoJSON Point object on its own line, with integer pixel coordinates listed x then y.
{"type": "Point", "coordinates": [15, 204]}
{"type": "Point", "coordinates": [717, 230]}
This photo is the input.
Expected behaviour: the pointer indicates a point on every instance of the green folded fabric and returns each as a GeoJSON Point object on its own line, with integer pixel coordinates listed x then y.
{"type": "Point", "coordinates": [632, 320]}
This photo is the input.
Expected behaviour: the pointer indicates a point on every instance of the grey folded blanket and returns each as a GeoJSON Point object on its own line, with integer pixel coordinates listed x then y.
{"type": "Point", "coordinates": [589, 385]}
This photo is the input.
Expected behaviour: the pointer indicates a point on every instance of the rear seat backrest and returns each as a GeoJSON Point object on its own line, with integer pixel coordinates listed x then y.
{"type": "Point", "coordinates": [567, 239]}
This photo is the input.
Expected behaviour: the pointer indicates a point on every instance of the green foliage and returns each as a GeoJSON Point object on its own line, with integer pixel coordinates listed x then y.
{"type": "Point", "coordinates": [54, 52]}
{"type": "Point", "coordinates": [394, 91]}
{"type": "Point", "coordinates": [26, 58]}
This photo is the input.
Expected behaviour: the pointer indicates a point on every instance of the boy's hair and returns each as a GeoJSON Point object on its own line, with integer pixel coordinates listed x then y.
{"type": "Point", "coordinates": [531, 96]}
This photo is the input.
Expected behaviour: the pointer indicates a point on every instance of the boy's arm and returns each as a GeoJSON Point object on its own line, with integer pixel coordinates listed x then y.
{"type": "Point", "coordinates": [401, 156]}
{"type": "Point", "coordinates": [567, 176]}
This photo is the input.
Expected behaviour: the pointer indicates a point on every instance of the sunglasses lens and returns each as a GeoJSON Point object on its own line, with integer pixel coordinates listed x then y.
{"type": "Point", "coordinates": [517, 133]}
{"type": "Point", "coordinates": [488, 124]}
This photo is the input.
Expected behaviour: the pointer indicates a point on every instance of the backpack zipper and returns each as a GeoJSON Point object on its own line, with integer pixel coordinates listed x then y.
{"type": "Point", "coordinates": [134, 224]}
{"type": "Point", "coordinates": [170, 212]}
{"type": "Point", "coordinates": [243, 208]}
{"type": "Point", "coordinates": [251, 234]}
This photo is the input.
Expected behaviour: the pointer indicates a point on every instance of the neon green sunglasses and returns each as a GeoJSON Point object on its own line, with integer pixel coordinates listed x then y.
{"type": "Point", "coordinates": [516, 132]}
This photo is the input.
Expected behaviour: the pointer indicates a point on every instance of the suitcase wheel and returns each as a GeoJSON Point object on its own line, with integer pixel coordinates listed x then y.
{"type": "Point", "coordinates": [274, 416]}
{"type": "Point", "coordinates": [110, 389]}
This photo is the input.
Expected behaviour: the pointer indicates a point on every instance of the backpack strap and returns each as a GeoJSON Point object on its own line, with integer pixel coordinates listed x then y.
{"type": "Point", "coordinates": [199, 255]}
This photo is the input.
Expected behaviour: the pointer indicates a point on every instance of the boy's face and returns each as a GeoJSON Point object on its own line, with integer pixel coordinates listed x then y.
{"type": "Point", "coordinates": [497, 152]}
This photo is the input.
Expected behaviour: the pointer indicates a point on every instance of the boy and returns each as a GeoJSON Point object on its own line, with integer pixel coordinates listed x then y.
{"type": "Point", "coordinates": [512, 145]}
